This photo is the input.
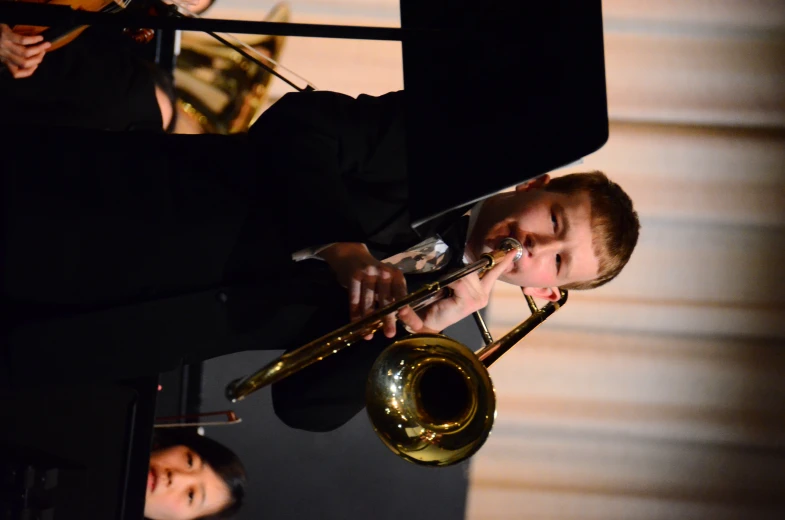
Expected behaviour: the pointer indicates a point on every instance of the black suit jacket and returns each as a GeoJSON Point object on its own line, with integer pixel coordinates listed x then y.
{"type": "Point", "coordinates": [129, 254]}
{"type": "Point", "coordinates": [96, 81]}
{"type": "Point", "coordinates": [327, 394]}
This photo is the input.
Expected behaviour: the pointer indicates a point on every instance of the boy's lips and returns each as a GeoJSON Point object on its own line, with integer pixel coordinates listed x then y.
{"type": "Point", "coordinates": [513, 268]}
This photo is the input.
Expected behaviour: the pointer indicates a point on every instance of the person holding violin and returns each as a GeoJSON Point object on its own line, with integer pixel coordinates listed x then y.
{"type": "Point", "coordinates": [21, 54]}
{"type": "Point", "coordinates": [95, 81]}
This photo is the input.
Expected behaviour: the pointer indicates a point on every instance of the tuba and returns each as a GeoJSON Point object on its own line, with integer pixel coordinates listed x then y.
{"type": "Point", "coordinates": [429, 398]}
{"type": "Point", "coordinates": [219, 90]}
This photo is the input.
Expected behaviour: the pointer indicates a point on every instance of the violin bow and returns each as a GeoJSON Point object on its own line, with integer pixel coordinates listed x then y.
{"type": "Point", "coordinates": [246, 50]}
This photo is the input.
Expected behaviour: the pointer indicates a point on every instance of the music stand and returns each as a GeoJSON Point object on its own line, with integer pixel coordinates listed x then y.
{"type": "Point", "coordinates": [496, 95]}
{"type": "Point", "coordinates": [77, 451]}
{"type": "Point", "coordinates": [516, 91]}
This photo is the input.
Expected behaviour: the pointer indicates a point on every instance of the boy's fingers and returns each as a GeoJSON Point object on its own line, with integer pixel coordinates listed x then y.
{"type": "Point", "coordinates": [398, 290]}
{"type": "Point", "coordinates": [358, 295]}
{"type": "Point", "coordinates": [368, 302]}
{"type": "Point", "coordinates": [384, 288]}
{"type": "Point", "coordinates": [355, 288]}
{"type": "Point", "coordinates": [389, 326]}
{"type": "Point", "coordinates": [410, 318]}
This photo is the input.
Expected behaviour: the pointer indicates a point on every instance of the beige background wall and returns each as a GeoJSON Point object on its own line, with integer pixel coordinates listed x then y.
{"type": "Point", "coordinates": [661, 395]}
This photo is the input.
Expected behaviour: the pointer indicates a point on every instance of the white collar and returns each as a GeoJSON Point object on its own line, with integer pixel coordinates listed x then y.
{"type": "Point", "coordinates": [473, 212]}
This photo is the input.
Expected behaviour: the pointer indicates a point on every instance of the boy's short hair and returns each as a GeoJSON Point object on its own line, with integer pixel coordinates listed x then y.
{"type": "Point", "coordinates": [614, 222]}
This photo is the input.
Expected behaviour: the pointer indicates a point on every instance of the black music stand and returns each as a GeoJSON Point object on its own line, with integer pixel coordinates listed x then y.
{"type": "Point", "coordinates": [76, 451]}
{"type": "Point", "coordinates": [498, 93]}
{"type": "Point", "coordinates": [516, 90]}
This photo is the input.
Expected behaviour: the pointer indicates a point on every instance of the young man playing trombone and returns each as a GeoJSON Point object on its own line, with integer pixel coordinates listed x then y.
{"type": "Point", "coordinates": [577, 231]}
{"type": "Point", "coordinates": [149, 251]}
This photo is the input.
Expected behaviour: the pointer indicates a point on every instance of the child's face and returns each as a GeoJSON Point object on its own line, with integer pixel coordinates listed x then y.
{"type": "Point", "coordinates": [554, 229]}
{"type": "Point", "coordinates": [181, 486]}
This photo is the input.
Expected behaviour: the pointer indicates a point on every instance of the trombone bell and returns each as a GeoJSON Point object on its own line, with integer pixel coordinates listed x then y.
{"type": "Point", "coordinates": [430, 400]}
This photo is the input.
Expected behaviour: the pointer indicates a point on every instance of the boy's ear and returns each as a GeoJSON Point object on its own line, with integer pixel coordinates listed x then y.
{"type": "Point", "coordinates": [551, 294]}
{"type": "Point", "coordinates": [536, 183]}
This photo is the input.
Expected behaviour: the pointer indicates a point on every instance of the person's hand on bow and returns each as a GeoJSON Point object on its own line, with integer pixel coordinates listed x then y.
{"type": "Point", "coordinates": [194, 6]}
{"type": "Point", "coordinates": [371, 283]}
{"type": "Point", "coordinates": [468, 294]}
{"type": "Point", "coordinates": [21, 54]}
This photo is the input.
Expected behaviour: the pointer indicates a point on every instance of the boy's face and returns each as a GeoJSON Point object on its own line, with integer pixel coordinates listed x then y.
{"type": "Point", "coordinates": [554, 229]}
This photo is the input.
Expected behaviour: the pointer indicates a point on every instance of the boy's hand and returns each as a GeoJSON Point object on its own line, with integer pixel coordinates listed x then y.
{"type": "Point", "coordinates": [21, 54]}
{"type": "Point", "coordinates": [369, 281]}
{"type": "Point", "coordinates": [469, 294]}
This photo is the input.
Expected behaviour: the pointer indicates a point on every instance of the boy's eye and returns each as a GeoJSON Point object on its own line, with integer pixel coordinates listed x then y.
{"type": "Point", "coordinates": [190, 496]}
{"type": "Point", "coordinates": [553, 219]}
{"type": "Point", "coordinates": [190, 461]}
{"type": "Point", "coordinates": [558, 262]}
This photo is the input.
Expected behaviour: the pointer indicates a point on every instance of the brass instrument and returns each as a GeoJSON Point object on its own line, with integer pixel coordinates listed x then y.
{"type": "Point", "coordinates": [347, 335]}
{"type": "Point", "coordinates": [219, 90]}
{"type": "Point", "coordinates": [429, 398]}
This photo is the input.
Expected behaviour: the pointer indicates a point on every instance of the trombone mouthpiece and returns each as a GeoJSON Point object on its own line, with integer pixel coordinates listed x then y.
{"type": "Point", "coordinates": [510, 244]}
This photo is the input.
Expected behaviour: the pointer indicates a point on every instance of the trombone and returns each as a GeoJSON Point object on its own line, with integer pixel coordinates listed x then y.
{"type": "Point", "coordinates": [429, 398]}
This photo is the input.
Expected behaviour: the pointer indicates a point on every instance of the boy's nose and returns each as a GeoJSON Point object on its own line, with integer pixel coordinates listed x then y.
{"type": "Point", "coordinates": [542, 245]}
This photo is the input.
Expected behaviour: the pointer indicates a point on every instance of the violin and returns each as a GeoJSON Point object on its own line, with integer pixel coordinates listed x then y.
{"type": "Point", "coordinates": [63, 35]}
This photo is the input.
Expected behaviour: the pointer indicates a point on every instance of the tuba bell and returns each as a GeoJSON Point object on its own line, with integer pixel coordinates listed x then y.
{"type": "Point", "coordinates": [219, 90]}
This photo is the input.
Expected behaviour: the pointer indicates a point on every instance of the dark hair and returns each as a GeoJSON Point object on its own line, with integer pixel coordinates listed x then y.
{"type": "Point", "coordinates": [163, 80]}
{"type": "Point", "coordinates": [220, 458]}
{"type": "Point", "coordinates": [614, 222]}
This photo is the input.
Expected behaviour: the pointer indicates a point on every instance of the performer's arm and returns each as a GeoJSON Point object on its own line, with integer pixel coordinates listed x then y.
{"type": "Point", "coordinates": [469, 294]}
{"type": "Point", "coordinates": [372, 284]}
{"type": "Point", "coordinates": [368, 281]}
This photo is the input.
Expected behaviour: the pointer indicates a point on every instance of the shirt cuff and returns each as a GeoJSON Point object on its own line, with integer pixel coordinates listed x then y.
{"type": "Point", "coordinates": [310, 252]}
